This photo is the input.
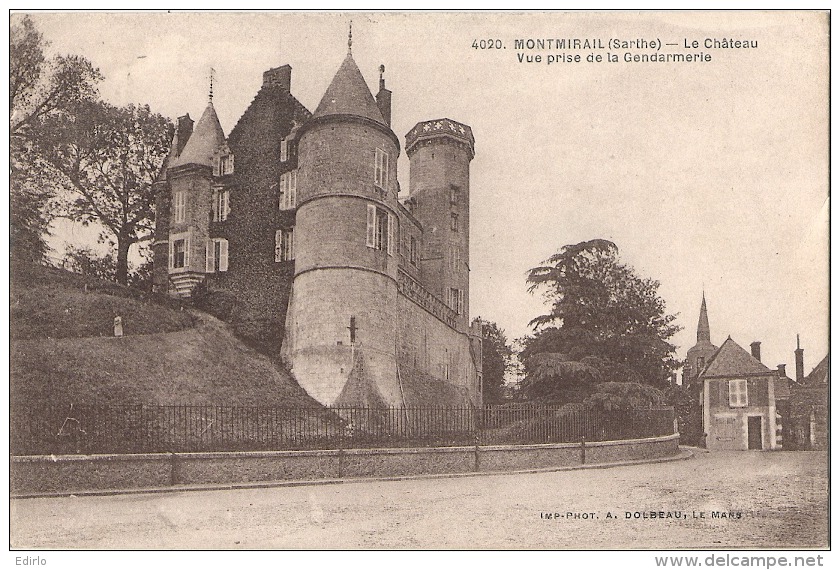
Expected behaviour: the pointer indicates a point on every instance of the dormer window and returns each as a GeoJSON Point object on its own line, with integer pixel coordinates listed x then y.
{"type": "Point", "coordinates": [225, 164]}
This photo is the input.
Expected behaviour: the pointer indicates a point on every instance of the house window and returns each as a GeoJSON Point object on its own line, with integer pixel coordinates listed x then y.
{"type": "Point", "coordinates": [284, 245]}
{"type": "Point", "coordinates": [217, 255]}
{"type": "Point", "coordinates": [380, 171]}
{"type": "Point", "coordinates": [381, 229]}
{"type": "Point", "coordinates": [454, 195]}
{"type": "Point", "coordinates": [737, 393]}
{"type": "Point", "coordinates": [179, 208]}
{"type": "Point", "coordinates": [454, 257]}
{"type": "Point", "coordinates": [179, 251]}
{"type": "Point", "coordinates": [221, 205]}
{"type": "Point", "coordinates": [288, 190]}
{"type": "Point", "coordinates": [284, 150]}
{"type": "Point", "coordinates": [412, 250]}
{"type": "Point", "coordinates": [454, 219]}
{"type": "Point", "coordinates": [456, 300]}
{"type": "Point", "coordinates": [225, 164]}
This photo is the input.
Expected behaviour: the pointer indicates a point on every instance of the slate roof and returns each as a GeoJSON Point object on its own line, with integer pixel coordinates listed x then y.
{"type": "Point", "coordinates": [348, 94]}
{"type": "Point", "coordinates": [819, 375]}
{"type": "Point", "coordinates": [206, 138]}
{"type": "Point", "coordinates": [703, 332]}
{"type": "Point", "coordinates": [732, 360]}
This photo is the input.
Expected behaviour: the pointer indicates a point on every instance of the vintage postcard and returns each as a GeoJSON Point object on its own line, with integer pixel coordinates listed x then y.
{"type": "Point", "coordinates": [421, 280]}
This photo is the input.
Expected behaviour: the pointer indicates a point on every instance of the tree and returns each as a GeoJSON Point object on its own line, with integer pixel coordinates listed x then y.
{"type": "Point", "coordinates": [496, 361]}
{"type": "Point", "coordinates": [39, 88]}
{"type": "Point", "coordinates": [85, 261]}
{"type": "Point", "coordinates": [108, 157]}
{"type": "Point", "coordinates": [606, 325]}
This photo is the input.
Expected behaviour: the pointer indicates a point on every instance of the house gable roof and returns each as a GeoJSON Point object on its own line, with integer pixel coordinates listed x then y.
{"type": "Point", "coordinates": [732, 360]}
{"type": "Point", "coordinates": [819, 375]}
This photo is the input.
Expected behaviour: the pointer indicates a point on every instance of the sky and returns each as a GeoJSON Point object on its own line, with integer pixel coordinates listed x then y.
{"type": "Point", "coordinates": [709, 176]}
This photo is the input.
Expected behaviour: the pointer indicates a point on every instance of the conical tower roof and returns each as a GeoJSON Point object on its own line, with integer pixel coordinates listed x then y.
{"type": "Point", "coordinates": [348, 94]}
{"type": "Point", "coordinates": [703, 332]}
{"type": "Point", "coordinates": [207, 137]}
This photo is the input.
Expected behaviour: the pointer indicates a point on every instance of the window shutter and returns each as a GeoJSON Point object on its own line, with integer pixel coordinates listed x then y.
{"type": "Point", "coordinates": [291, 243]}
{"type": "Point", "coordinates": [293, 189]}
{"type": "Point", "coordinates": [223, 255]}
{"type": "Point", "coordinates": [371, 225]}
{"type": "Point", "coordinates": [278, 245]}
{"type": "Point", "coordinates": [186, 252]}
{"type": "Point", "coordinates": [208, 263]}
{"type": "Point", "coordinates": [284, 151]}
{"type": "Point", "coordinates": [171, 254]}
{"type": "Point", "coordinates": [230, 168]}
{"type": "Point", "coordinates": [217, 165]}
{"type": "Point", "coordinates": [225, 204]}
{"type": "Point", "coordinates": [391, 230]}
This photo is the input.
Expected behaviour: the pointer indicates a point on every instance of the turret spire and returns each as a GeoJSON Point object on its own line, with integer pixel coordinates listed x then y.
{"type": "Point", "coordinates": [212, 74]}
{"type": "Point", "coordinates": [703, 332]}
{"type": "Point", "coordinates": [350, 39]}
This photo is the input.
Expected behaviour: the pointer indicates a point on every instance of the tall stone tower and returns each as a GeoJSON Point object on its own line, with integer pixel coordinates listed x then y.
{"type": "Point", "coordinates": [340, 325]}
{"type": "Point", "coordinates": [189, 178]}
{"type": "Point", "coordinates": [440, 152]}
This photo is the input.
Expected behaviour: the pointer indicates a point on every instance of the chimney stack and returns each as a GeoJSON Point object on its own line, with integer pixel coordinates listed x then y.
{"type": "Point", "coordinates": [183, 131]}
{"type": "Point", "coordinates": [383, 98]}
{"type": "Point", "coordinates": [782, 372]}
{"type": "Point", "coordinates": [281, 76]}
{"type": "Point", "coordinates": [800, 363]}
{"type": "Point", "coordinates": [755, 349]}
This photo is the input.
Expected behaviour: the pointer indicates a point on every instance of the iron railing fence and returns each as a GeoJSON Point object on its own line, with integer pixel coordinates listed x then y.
{"type": "Point", "coordinates": [87, 429]}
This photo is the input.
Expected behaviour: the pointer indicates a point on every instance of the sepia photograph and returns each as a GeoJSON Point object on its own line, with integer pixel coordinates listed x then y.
{"type": "Point", "coordinates": [410, 280]}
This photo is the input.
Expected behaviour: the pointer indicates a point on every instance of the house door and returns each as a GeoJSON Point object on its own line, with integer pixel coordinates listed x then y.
{"type": "Point", "coordinates": [754, 432]}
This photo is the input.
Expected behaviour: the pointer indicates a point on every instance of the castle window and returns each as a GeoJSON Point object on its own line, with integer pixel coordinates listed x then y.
{"type": "Point", "coordinates": [412, 250]}
{"type": "Point", "coordinates": [454, 220]}
{"type": "Point", "coordinates": [456, 300]}
{"type": "Point", "coordinates": [179, 206]}
{"type": "Point", "coordinates": [288, 190]}
{"type": "Point", "coordinates": [179, 251]}
{"type": "Point", "coordinates": [284, 150]}
{"type": "Point", "coordinates": [454, 195]}
{"type": "Point", "coordinates": [454, 257]}
{"type": "Point", "coordinates": [225, 164]}
{"type": "Point", "coordinates": [381, 229]}
{"type": "Point", "coordinates": [221, 205]}
{"type": "Point", "coordinates": [737, 393]}
{"type": "Point", "coordinates": [284, 245]}
{"type": "Point", "coordinates": [217, 255]}
{"type": "Point", "coordinates": [380, 171]}
{"type": "Point", "coordinates": [701, 364]}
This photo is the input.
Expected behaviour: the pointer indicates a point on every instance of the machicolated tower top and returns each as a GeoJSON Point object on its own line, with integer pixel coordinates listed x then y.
{"type": "Point", "coordinates": [310, 247]}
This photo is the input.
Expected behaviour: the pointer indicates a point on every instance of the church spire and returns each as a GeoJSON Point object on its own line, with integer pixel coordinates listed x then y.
{"type": "Point", "coordinates": [703, 332]}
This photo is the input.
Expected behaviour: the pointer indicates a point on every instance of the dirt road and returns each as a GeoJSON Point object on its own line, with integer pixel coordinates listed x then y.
{"type": "Point", "coordinates": [770, 500]}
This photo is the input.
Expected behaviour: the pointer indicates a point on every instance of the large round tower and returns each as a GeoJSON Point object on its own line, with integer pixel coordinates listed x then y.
{"type": "Point", "coordinates": [340, 329]}
{"type": "Point", "coordinates": [440, 152]}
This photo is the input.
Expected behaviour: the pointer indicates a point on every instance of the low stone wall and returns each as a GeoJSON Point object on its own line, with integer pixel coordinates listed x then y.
{"type": "Point", "coordinates": [69, 473]}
